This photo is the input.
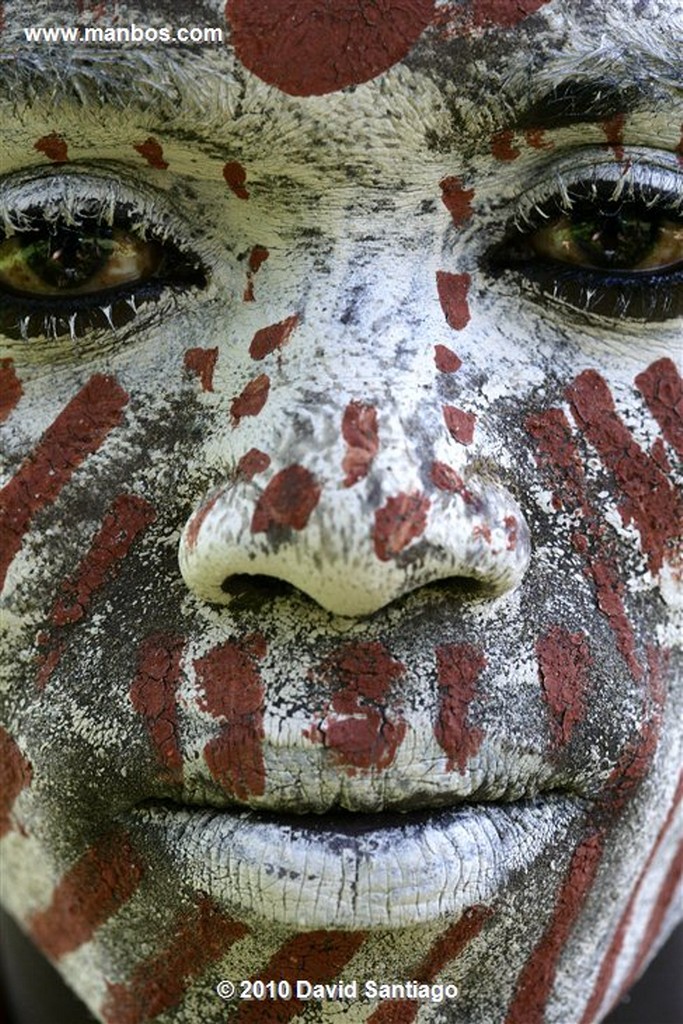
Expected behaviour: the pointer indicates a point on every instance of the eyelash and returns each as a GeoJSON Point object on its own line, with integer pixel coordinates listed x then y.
{"type": "Point", "coordinates": [24, 317]}
{"type": "Point", "coordinates": [650, 192]}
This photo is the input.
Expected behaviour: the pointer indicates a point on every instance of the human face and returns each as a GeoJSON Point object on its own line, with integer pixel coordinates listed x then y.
{"type": "Point", "coordinates": [340, 538]}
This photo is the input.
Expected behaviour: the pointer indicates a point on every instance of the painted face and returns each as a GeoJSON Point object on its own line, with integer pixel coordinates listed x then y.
{"type": "Point", "coordinates": [340, 522]}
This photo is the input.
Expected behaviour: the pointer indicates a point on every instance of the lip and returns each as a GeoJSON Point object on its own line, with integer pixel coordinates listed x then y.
{"type": "Point", "coordinates": [353, 871]}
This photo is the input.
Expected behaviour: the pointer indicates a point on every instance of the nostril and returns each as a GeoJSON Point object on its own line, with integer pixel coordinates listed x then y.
{"type": "Point", "coordinates": [250, 592]}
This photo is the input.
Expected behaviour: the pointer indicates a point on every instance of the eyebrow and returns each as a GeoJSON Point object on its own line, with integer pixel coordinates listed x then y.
{"type": "Point", "coordinates": [579, 101]}
{"type": "Point", "coordinates": [146, 80]}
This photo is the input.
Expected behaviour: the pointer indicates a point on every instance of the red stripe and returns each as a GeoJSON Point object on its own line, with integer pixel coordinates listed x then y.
{"type": "Point", "coordinates": [317, 957]}
{"type": "Point", "coordinates": [559, 456]}
{"type": "Point", "coordinates": [10, 388]}
{"type": "Point", "coordinates": [127, 517]}
{"type": "Point", "coordinates": [444, 950]}
{"type": "Point", "coordinates": [78, 431]}
{"type": "Point", "coordinates": [93, 889]}
{"type": "Point", "coordinates": [662, 388]}
{"type": "Point", "coordinates": [153, 695]}
{"type": "Point", "coordinates": [15, 775]}
{"type": "Point", "coordinates": [361, 730]}
{"type": "Point", "coordinates": [537, 977]}
{"type": "Point", "coordinates": [563, 663]}
{"type": "Point", "coordinates": [649, 499]}
{"type": "Point", "coordinates": [458, 667]}
{"type": "Point", "coordinates": [160, 982]}
{"type": "Point", "coordinates": [229, 676]}
{"type": "Point", "coordinates": [607, 966]}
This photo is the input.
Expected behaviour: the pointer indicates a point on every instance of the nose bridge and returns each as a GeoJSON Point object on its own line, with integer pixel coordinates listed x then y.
{"type": "Point", "coordinates": [343, 496]}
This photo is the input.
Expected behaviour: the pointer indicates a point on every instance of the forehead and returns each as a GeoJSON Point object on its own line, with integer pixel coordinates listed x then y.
{"type": "Point", "coordinates": [496, 49]}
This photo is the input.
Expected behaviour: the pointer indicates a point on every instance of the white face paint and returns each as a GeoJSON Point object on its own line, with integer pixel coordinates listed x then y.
{"type": "Point", "coordinates": [341, 551]}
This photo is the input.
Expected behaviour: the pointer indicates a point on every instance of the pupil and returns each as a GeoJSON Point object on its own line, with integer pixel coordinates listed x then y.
{"type": "Point", "coordinates": [67, 257]}
{"type": "Point", "coordinates": [616, 241]}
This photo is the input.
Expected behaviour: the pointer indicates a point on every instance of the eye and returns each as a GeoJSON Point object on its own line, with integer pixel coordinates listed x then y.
{"type": "Point", "coordinates": [77, 265]}
{"type": "Point", "coordinates": [63, 260]}
{"type": "Point", "coordinates": [604, 246]}
{"type": "Point", "coordinates": [619, 239]}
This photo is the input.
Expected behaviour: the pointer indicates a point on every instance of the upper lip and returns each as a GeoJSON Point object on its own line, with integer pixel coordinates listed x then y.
{"type": "Point", "coordinates": [203, 792]}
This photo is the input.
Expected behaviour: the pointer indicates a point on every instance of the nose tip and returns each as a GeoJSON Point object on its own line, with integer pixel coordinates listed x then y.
{"type": "Point", "coordinates": [352, 558]}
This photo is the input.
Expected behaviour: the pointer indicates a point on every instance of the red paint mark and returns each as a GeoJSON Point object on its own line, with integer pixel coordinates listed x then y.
{"type": "Point", "coordinates": [453, 290]}
{"type": "Point", "coordinates": [649, 499]}
{"type": "Point", "coordinates": [443, 951]}
{"type": "Point", "coordinates": [312, 47]}
{"type": "Point", "coordinates": [50, 656]}
{"type": "Point", "coordinates": [563, 663]}
{"type": "Point", "coordinates": [251, 463]}
{"type": "Point", "coordinates": [361, 433]}
{"type": "Point", "coordinates": [198, 519]}
{"type": "Point", "coordinates": [457, 200]}
{"type": "Point", "coordinates": [511, 528]}
{"type": "Point", "coordinates": [536, 980]}
{"type": "Point", "coordinates": [658, 452]}
{"type": "Point", "coordinates": [458, 668]}
{"type": "Point", "coordinates": [679, 149]}
{"type": "Point", "coordinates": [78, 431]}
{"type": "Point", "coordinates": [446, 360]}
{"type": "Point", "coordinates": [535, 138]}
{"type": "Point", "coordinates": [662, 388]}
{"type": "Point", "coordinates": [360, 730]}
{"type": "Point", "coordinates": [202, 362]}
{"type": "Point", "coordinates": [93, 889]}
{"type": "Point", "coordinates": [610, 595]}
{"type": "Point", "coordinates": [446, 479]}
{"type": "Point", "coordinates": [268, 339]}
{"type": "Point", "coordinates": [152, 152]}
{"type": "Point", "coordinates": [607, 966]}
{"type": "Point", "coordinates": [153, 695]}
{"type": "Point", "coordinates": [252, 399]}
{"type": "Point", "coordinates": [15, 775]}
{"type": "Point", "coordinates": [482, 531]}
{"type": "Point", "coordinates": [557, 453]}
{"type": "Point", "coordinates": [397, 523]}
{"type": "Point", "coordinates": [287, 501]}
{"type": "Point", "coordinates": [317, 956]}
{"type": "Point", "coordinates": [10, 388]}
{"type": "Point", "coordinates": [636, 758]}
{"type": "Point", "coordinates": [502, 146]}
{"type": "Point", "coordinates": [258, 255]}
{"type": "Point", "coordinates": [233, 693]}
{"type": "Point", "coordinates": [54, 147]}
{"type": "Point", "coordinates": [235, 178]}
{"type": "Point", "coordinates": [199, 939]}
{"type": "Point", "coordinates": [127, 517]}
{"type": "Point", "coordinates": [614, 133]}
{"type": "Point", "coordinates": [460, 424]}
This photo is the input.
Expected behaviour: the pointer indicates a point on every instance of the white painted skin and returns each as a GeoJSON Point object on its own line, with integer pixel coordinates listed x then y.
{"type": "Point", "coordinates": [344, 193]}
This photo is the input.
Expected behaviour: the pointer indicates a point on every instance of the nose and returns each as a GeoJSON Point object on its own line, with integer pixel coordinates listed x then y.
{"type": "Point", "coordinates": [354, 546]}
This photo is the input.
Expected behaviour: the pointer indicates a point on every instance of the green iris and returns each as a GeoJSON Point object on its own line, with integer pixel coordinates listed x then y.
{"type": "Point", "coordinates": [67, 257]}
{"type": "Point", "coordinates": [614, 241]}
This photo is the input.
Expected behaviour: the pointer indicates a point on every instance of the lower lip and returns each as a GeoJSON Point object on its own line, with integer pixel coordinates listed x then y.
{"type": "Point", "coordinates": [354, 871]}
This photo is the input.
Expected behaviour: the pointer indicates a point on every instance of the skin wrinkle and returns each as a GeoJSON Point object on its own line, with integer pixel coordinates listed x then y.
{"type": "Point", "coordinates": [363, 200]}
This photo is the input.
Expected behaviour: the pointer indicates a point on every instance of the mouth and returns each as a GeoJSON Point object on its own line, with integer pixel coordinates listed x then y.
{"type": "Point", "coordinates": [343, 870]}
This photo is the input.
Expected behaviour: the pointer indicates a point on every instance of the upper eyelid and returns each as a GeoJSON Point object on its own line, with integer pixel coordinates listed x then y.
{"type": "Point", "coordinates": [655, 171]}
{"type": "Point", "coordinates": [105, 193]}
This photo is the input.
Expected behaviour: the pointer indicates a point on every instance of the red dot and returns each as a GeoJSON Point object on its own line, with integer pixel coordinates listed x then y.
{"type": "Point", "coordinates": [312, 47]}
